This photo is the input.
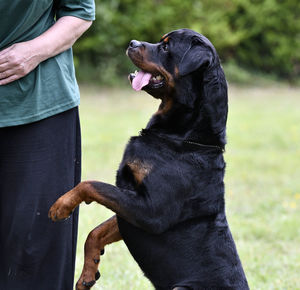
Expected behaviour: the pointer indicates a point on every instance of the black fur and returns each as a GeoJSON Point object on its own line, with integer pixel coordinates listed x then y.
{"type": "Point", "coordinates": [181, 238]}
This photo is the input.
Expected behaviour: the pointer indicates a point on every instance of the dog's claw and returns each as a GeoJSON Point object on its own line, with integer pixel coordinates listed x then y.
{"type": "Point", "coordinates": [96, 261]}
{"type": "Point", "coordinates": [68, 217]}
{"type": "Point", "coordinates": [102, 252]}
{"type": "Point", "coordinates": [97, 275]}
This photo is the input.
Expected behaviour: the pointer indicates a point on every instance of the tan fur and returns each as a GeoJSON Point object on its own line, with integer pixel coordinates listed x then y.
{"type": "Point", "coordinates": [139, 169]}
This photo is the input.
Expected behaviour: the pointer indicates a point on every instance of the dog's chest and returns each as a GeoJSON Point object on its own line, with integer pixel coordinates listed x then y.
{"type": "Point", "coordinates": [134, 168]}
{"type": "Point", "coordinates": [139, 169]}
{"type": "Point", "coordinates": [142, 159]}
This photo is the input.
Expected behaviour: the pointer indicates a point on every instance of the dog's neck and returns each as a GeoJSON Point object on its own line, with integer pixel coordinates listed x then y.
{"type": "Point", "coordinates": [203, 121]}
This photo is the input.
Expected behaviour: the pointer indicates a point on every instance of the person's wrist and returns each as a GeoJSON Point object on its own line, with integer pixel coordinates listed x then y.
{"type": "Point", "coordinates": [38, 50]}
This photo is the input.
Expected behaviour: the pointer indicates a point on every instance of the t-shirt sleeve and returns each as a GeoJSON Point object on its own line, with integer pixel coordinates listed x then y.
{"type": "Point", "coordinates": [84, 9]}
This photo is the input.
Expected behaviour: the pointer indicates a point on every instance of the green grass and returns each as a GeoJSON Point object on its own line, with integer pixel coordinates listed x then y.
{"type": "Point", "coordinates": [262, 179]}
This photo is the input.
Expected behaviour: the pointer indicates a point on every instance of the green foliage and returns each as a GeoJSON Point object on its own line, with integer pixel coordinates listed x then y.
{"type": "Point", "coordinates": [270, 31]}
{"type": "Point", "coordinates": [238, 74]}
{"type": "Point", "coordinates": [263, 35]}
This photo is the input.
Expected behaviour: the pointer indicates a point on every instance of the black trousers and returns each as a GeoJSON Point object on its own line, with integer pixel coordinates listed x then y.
{"type": "Point", "coordinates": [38, 163]}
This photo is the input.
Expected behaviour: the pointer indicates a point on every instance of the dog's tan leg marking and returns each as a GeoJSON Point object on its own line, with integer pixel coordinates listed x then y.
{"type": "Point", "coordinates": [84, 191]}
{"type": "Point", "coordinates": [102, 235]}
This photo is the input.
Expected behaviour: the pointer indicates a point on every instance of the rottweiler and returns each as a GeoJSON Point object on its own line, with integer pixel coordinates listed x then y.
{"type": "Point", "coordinates": [169, 193]}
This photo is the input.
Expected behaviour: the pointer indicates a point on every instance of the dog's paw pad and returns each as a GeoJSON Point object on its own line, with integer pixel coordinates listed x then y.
{"type": "Point", "coordinates": [89, 284]}
{"type": "Point", "coordinates": [97, 275]}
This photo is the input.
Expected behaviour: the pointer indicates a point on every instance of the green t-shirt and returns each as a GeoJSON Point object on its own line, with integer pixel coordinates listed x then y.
{"type": "Point", "coordinates": [51, 88]}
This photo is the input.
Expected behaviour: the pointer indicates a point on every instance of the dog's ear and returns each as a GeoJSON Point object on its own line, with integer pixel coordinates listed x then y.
{"type": "Point", "coordinates": [194, 58]}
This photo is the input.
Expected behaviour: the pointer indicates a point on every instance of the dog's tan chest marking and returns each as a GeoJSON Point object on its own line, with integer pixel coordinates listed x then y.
{"type": "Point", "coordinates": [165, 106]}
{"type": "Point", "coordinates": [140, 169]}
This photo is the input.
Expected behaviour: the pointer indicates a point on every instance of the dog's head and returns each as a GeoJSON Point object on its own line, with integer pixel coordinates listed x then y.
{"type": "Point", "coordinates": [168, 68]}
{"type": "Point", "coordinates": [183, 69]}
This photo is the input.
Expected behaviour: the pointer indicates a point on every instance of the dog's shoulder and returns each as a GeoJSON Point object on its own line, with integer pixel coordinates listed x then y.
{"type": "Point", "coordinates": [137, 162]}
{"type": "Point", "coordinates": [158, 158]}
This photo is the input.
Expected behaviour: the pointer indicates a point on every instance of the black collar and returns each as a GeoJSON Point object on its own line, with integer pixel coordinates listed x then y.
{"type": "Point", "coordinates": [145, 132]}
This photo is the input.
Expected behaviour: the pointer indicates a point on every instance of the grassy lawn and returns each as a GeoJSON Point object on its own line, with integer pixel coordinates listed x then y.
{"type": "Point", "coordinates": [262, 179]}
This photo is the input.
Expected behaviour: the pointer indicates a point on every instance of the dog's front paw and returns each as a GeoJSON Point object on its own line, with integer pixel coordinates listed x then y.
{"type": "Point", "coordinates": [59, 211]}
{"type": "Point", "coordinates": [63, 207]}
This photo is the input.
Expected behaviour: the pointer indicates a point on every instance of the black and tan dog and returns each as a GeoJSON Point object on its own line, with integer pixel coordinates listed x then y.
{"type": "Point", "coordinates": [169, 194]}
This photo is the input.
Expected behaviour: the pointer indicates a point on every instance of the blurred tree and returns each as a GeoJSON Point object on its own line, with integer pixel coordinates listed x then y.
{"type": "Point", "coordinates": [260, 34]}
{"type": "Point", "coordinates": [270, 31]}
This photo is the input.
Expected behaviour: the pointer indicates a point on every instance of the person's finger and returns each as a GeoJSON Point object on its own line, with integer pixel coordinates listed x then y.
{"type": "Point", "coordinates": [5, 66]}
{"type": "Point", "coordinates": [3, 59]}
{"type": "Point", "coordinates": [8, 54]}
{"type": "Point", "coordinates": [10, 79]}
{"type": "Point", "coordinates": [6, 74]}
{"type": "Point", "coordinates": [4, 54]}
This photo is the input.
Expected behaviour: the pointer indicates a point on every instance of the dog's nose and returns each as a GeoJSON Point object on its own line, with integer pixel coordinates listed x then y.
{"type": "Point", "coordinates": [135, 44]}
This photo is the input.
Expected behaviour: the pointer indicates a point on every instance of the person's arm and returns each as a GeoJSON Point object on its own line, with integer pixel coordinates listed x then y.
{"type": "Point", "coordinates": [21, 58]}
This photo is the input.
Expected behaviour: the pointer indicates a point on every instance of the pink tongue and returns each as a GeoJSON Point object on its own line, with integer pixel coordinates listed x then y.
{"type": "Point", "coordinates": [141, 79]}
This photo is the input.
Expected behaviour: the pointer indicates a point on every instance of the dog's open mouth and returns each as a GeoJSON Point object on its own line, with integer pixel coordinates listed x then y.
{"type": "Point", "coordinates": [144, 80]}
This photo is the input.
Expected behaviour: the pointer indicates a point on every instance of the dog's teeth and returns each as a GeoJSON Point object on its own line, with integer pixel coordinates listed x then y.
{"type": "Point", "coordinates": [159, 77]}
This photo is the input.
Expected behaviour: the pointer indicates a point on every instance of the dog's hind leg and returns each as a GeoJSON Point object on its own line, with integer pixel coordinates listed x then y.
{"type": "Point", "coordinates": [102, 235]}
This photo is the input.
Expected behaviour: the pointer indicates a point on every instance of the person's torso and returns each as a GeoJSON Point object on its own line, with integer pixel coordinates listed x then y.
{"type": "Point", "coordinates": [51, 87]}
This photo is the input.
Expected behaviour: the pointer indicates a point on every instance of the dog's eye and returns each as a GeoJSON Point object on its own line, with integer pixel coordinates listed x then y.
{"type": "Point", "coordinates": [165, 47]}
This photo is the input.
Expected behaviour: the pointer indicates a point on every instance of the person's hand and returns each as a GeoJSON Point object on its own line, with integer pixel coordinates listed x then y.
{"type": "Point", "coordinates": [21, 58]}
{"type": "Point", "coordinates": [17, 61]}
